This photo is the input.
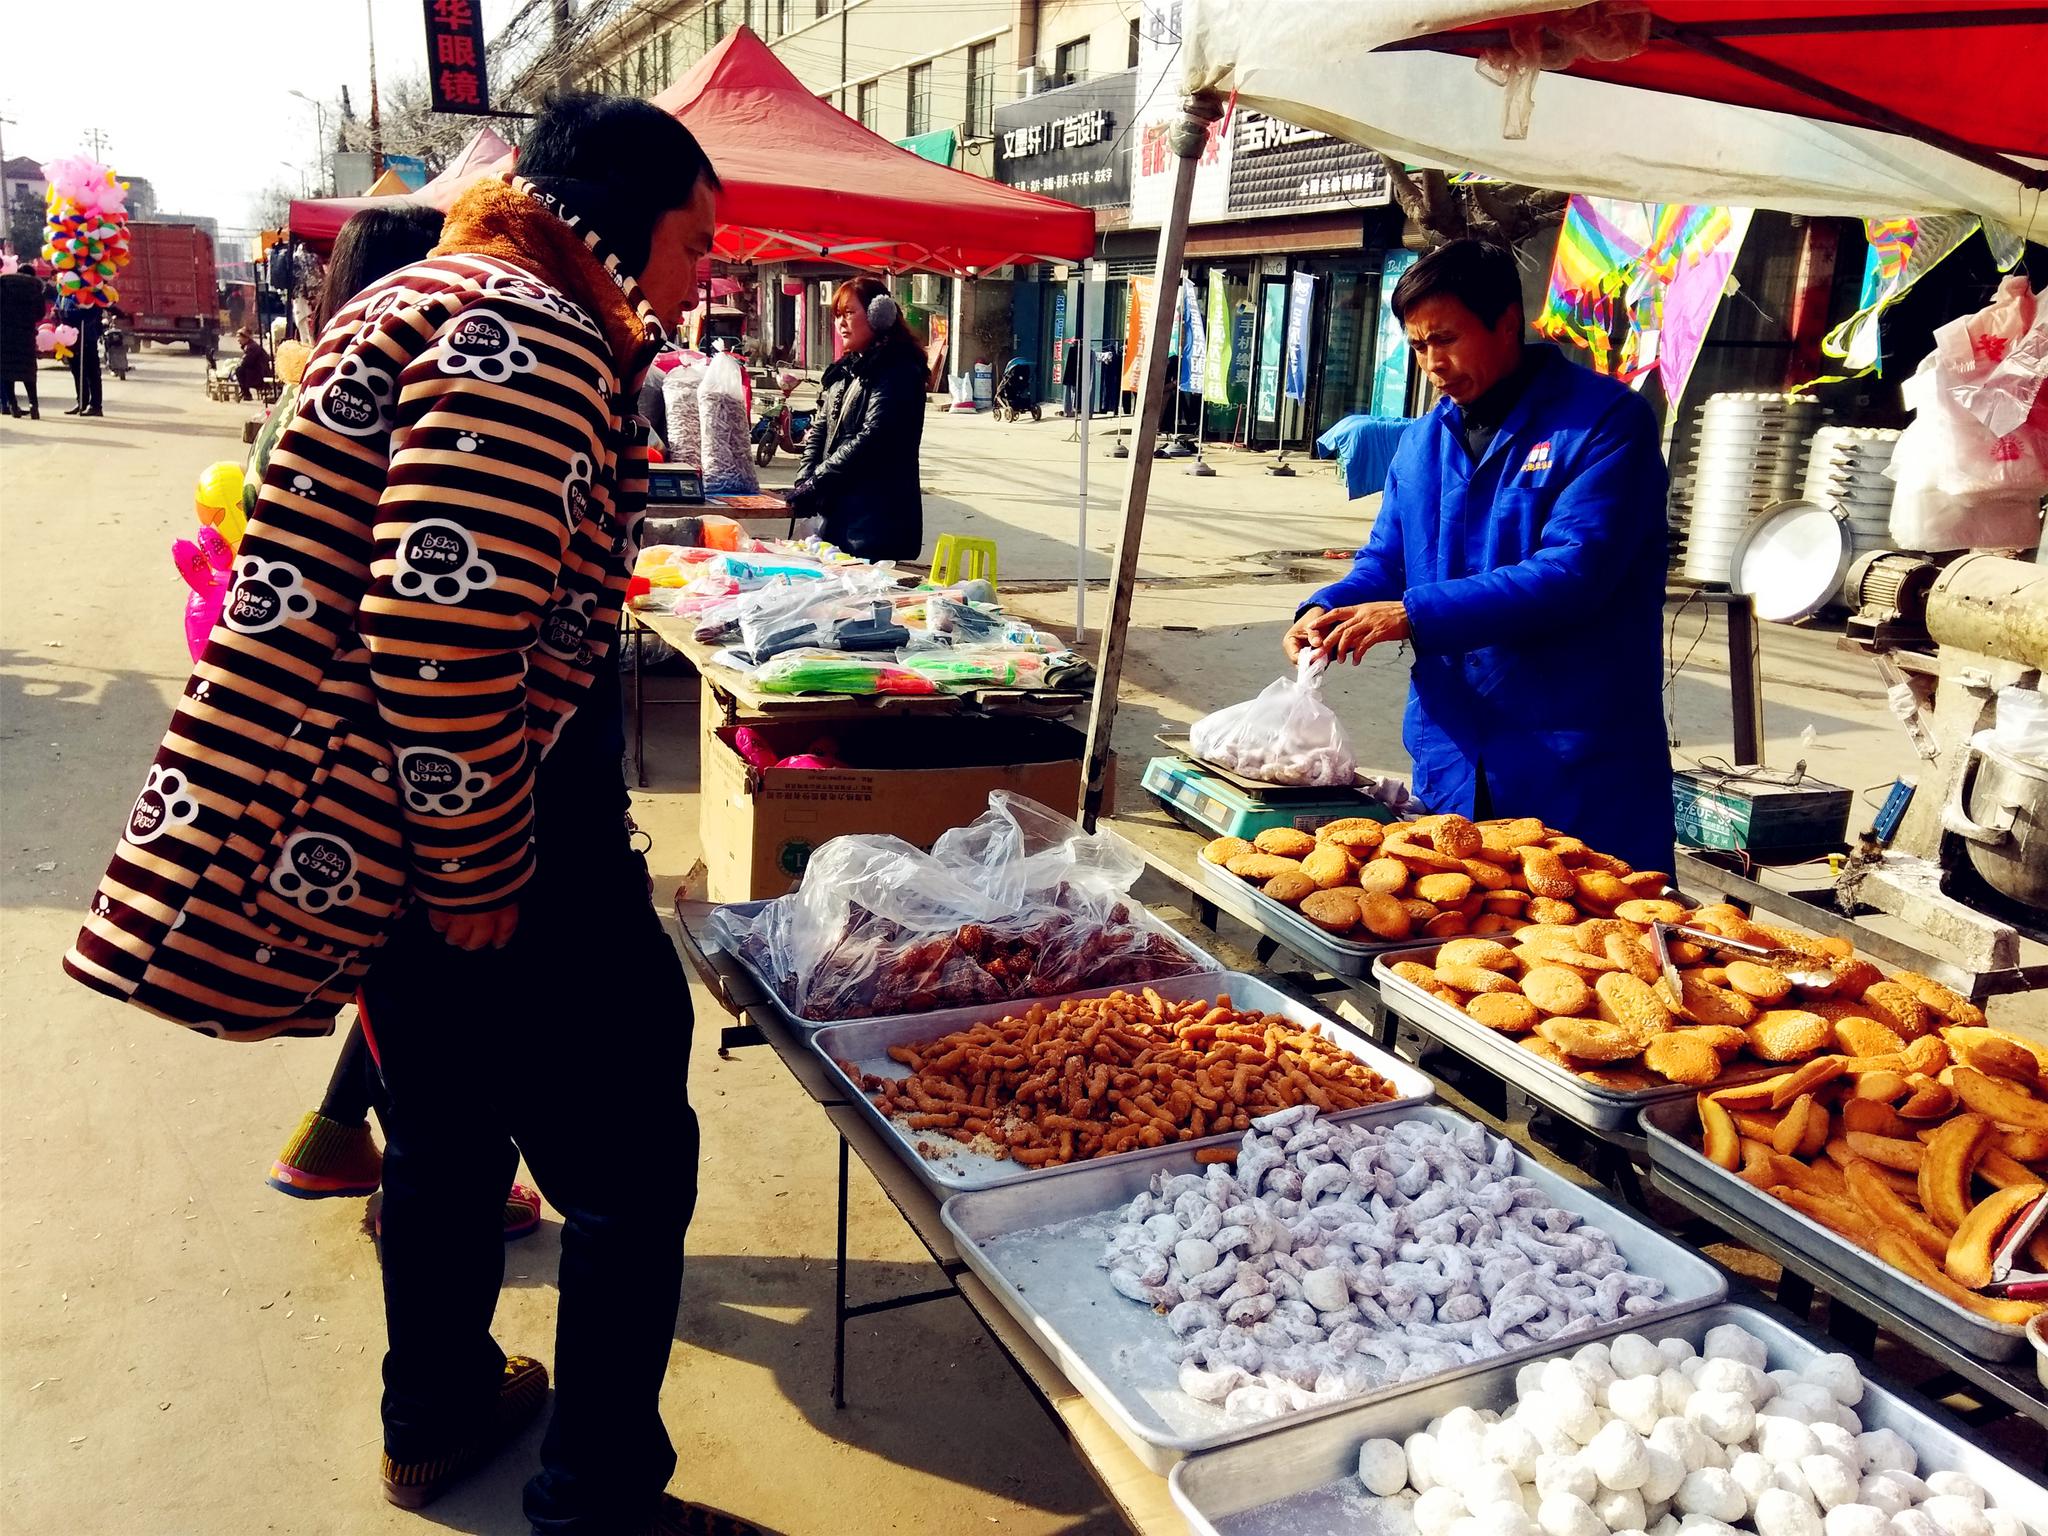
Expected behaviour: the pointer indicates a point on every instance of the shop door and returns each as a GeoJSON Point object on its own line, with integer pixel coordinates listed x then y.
{"type": "Point", "coordinates": [1350, 321]}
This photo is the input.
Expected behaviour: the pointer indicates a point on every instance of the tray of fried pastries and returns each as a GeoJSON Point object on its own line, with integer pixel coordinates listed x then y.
{"type": "Point", "coordinates": [976, 1097]}
{"type": "Point", "coordinates": [1357, 888]}
{"type": "Point", "coordinates": [1903, 1174]}
{"type": "Point", "coordinates": [1652, 1001]}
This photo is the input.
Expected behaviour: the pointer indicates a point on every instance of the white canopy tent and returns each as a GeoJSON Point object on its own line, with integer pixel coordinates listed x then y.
{"type": "Point", "coordinates": [1320, 65]}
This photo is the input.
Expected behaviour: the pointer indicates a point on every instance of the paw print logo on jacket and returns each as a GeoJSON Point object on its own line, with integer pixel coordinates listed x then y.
{"type": "Point", "coordinates": [316, 870]}
{"type": "Point", "coordinates": [438, 559]}
{"type": "Point", "coordinates": [529, 292]}
{"type": "Point", "coordinates": [576, 490]}
{"type": "Point", "coordinates": [439, 783]}
{"type": "Point", "coordinates": [356, 399]}
{"type": "Point", "coordinates": [166, 801]}
{"type": "Point", "coordinates": [563, 631]}
{"type": "Point", "coordinates": [482, 343]}
{"type": "Point", "coordinates": [267, 592]}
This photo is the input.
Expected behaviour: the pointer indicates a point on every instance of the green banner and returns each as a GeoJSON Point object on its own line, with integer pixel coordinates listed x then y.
{"type": "Point", "coordinates": [936, 146]}
{"type": "Point", "coordinates": [1272, 335]}
{"type": "Point", "coordinates": [1216, 370]}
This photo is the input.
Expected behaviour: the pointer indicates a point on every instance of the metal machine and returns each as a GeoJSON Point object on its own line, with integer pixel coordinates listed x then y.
{"type": "Point", "coordinates": [1968, 865]}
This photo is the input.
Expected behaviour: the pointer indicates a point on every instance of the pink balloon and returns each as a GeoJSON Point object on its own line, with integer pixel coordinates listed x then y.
{"type": "Point", "coordinates": [67, 335]}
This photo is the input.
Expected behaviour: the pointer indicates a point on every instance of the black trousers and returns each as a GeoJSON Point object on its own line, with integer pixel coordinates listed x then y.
{"type": "Point", "coordinates": [571, 1045]}
{"type": "Point", "coordinates": [89, 325]}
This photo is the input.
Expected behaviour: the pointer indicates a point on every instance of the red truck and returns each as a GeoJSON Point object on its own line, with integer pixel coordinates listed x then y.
{"type": "Point", "coordinates": [168, 289]}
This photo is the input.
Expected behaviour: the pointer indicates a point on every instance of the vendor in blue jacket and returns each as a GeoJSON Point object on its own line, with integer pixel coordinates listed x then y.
{"type": "Point", "coordinates": [1519, 549]}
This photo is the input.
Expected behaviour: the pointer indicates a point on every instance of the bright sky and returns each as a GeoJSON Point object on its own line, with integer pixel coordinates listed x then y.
{"type": "Point", "coordinates": [195, 94]}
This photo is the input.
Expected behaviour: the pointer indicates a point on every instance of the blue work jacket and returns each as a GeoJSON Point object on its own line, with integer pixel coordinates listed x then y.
{"type": "Point", "coordinates": [1534, 582]}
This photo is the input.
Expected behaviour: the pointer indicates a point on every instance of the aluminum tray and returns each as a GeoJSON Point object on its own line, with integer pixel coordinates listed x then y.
{"type": "Point", "coordinates": [1035, 1243]}
{"type": "Point", "coordinates": [1565, 1093]}
{"type": "Point", "coordinates": [772, 995]}
{"type": "Point", "coordinates": [1303, 1480]}
{"type": "Point", "coordinates": [1284, 925]}
{"type": "Point", "coordinates": [865, 1043]}
{"type": "Point", "coordinates": [1666, 1125]}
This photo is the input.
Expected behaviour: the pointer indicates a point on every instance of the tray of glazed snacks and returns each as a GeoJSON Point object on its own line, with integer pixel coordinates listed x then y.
{"type": "Point", "coordinates": [1581, 1018]}
{"type": "Point", "coordinates": [1900, 1173]}
{"type": "Point", "coordinates": [1330, 1263]}
{"type": "Point", "coordinates": [1019, 904]}
{"type": "Point", "coordinates": [983, 1096]}
{"type": "Point", "coordinates": [1356, 888]}
{"type": "Point", "coordinates": [1721, 1420]}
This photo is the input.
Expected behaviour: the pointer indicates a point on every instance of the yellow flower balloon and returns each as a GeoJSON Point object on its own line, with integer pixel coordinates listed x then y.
{"type": "Point", "coordinates": [219, 486]}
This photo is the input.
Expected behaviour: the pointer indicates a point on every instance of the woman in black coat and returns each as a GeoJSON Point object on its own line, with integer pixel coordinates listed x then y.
{"type": "Point", "coordinates": [859, 473]}
{"type": "Point", "coordinates": [21, 311]}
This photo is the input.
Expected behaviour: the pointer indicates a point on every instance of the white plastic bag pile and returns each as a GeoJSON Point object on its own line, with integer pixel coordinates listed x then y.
{"type": "Point", "coordinates": [679, 399]}
{"type": "Point", "coordinates": [1287, 735]}
{"type": "Point", "coordinates": [1973, 465]}
{"type": "Point", "coordinates": [728, 437]}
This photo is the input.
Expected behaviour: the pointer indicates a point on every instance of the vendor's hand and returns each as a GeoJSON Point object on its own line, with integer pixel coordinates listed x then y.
{"type": "Point", "coordinates": [489, 929]}
{"type": "Point", "coordinates": [1303, 636]}
{"type": "Point", "coordinates": [800, 493]}
{"type": "Point", "coordinates": [1348, 633]}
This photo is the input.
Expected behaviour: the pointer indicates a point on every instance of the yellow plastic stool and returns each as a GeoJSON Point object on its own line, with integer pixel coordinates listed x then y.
{"type": "Point", "coordinates": [976, 559]}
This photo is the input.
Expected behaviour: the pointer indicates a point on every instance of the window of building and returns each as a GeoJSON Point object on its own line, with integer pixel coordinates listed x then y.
{"type": "Point", "coordinates": [1132, 63]}
{"type": "Point", "coordinates": [981, 90]}
{"type": "Point", "coordinates": [714, 22]}
{"type": "Point", "coordinates": [824, 8]}
{"type": "Point", "coordinates": [666, 62]}
{"type": "Point", "coordinates": [919, 117]}
{"type": "Point", "coordinates": [1070, 62]}
{"type": "Point", "coordinates": [785, 16]}
{"type": "Point", "coordinates": [867, 105]}
{"type": "Point", "coordinates": [640, 71]}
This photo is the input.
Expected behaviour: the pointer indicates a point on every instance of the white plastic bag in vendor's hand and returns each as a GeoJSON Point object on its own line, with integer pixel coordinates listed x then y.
{"type": "Point", "coordinates": [1287, 735]}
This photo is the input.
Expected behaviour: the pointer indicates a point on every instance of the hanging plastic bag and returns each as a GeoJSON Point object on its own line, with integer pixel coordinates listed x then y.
{"type": "Point", "coordinates": [726, 434]}
{"type": "Point", "coordinates": [679, 400]}
{"type": "Point", "coordinates": [1287, 735]}
{"type": "Point", "coordinates": [1019, 903]}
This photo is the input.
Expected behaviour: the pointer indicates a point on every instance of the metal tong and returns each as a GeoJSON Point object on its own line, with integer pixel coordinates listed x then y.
{"type": "Point", "coordinates": [1798, 969]}
{"type": "Point", "coordinates": [2032, 1286]}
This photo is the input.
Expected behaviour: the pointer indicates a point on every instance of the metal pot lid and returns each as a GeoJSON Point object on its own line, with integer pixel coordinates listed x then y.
{"type": "Point", "coordinates": [1793, 560]}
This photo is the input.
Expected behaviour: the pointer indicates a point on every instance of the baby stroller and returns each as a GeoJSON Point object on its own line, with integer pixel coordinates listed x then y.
{"type": "Point", "coordinates": [1014, 394]}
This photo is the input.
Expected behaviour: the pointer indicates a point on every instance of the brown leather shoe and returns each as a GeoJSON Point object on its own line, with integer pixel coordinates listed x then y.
{"type": "Point", "coordinates": [415, 1484]}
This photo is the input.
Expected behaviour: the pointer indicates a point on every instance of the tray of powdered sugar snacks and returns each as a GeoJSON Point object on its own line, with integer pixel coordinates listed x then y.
{"type": "Point", "coordinates": [1336, 1262]}
{"type": "Point", "coordinates": [1720, 1422]}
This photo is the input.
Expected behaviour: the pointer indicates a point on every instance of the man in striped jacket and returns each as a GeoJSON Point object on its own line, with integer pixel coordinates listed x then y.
{"type": "Point", "coordinates": [397, 766]}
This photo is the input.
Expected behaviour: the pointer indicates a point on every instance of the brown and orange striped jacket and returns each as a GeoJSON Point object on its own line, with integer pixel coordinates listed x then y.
{"type": "Point", "coordinates": [436, 564]}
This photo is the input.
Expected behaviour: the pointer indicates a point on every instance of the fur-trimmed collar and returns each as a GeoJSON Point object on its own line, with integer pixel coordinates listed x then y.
{"type": "Point", "coordinates": [497, 217]}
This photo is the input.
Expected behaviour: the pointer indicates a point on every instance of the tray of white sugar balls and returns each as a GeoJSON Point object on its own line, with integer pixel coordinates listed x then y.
{"type": "Point", "coordinates": [1719, 1422]}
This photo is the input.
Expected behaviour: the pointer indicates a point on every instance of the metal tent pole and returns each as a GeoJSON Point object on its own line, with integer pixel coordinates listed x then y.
{"type": "Point", "coordinates": [1186, 140]}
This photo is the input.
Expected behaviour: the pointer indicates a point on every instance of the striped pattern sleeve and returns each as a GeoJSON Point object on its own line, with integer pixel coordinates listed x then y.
{"type": "Point", "coordinates": [500, 421]}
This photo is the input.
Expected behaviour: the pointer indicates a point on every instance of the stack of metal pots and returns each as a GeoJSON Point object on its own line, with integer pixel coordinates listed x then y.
{"type": "Point", "coordinates": [1845, 469]}
{"type": "Point", "coordinates": [1748, 456]}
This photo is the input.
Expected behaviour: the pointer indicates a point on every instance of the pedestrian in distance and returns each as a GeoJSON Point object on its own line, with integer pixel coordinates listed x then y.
{"type": "Point", "coordinates": [859, 472]}
{"type": "Point", "coordinates": [21, 312]}
{"type": "Point", "coordinates": [398, 768]}
{"type": "Point", "coordinates": [254, 367]}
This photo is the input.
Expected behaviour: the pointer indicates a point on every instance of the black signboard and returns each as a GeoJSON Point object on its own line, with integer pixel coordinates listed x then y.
{"type": "Point", "coordinates": [1276, 167]}
{"type": "Point", "coordinates": [455, 57]}
{"type": "Point", "coordinates": [1070, 143]}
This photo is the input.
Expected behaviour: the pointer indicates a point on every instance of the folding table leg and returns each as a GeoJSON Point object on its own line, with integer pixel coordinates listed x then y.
{"type": "Point", "coordinates": [839, 1294]}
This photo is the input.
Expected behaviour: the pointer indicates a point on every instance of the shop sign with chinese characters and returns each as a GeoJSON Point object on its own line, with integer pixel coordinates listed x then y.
{"type": "Point", "coordinates": [1069, 143]}
{"type": "Point", "coordinates": [1278, 167]}
{"type": "Point", "coordinates": [456, 78]}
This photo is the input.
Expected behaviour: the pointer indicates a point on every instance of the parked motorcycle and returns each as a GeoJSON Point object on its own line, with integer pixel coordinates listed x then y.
{"type": "Point", "coordinates": [781, 424]}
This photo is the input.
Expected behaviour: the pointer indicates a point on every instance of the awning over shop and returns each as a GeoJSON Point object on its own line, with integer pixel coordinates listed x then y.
{"type": "Point", "coordinates": [316, 221]}
{"type": "Point", "coordinates": [803, 181]}
{"type": "Point", "coordinates": [936, 146]}
{"type": "Point", "coordinates": [1857, 107]}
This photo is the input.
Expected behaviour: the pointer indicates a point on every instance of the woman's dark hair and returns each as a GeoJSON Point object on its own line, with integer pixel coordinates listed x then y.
{"type": "Point", "coordinates": [372, 244]}
{"type": "Point", "coordinates": [1479, 275]}
{"type": "Point", "coordinates": [859, 293]}
{"type": "Point", "coordinates": [617, 162]}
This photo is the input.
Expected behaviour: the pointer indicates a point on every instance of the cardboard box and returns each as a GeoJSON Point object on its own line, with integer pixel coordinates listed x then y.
{"type": "Point", "coordinates": [915, 778]}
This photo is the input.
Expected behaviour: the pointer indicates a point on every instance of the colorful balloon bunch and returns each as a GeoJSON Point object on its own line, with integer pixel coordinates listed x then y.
{"type": "Point", "coordinates": [207, 563]}
{"type": "Point", "coordinates": [85, 229]}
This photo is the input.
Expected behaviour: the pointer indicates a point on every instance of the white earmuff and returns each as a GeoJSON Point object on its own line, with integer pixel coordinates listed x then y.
{"type": "Point", "coordinates": [883, 312]}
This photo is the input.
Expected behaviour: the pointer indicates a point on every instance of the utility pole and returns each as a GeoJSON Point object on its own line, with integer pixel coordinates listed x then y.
{"type": "Point", "coordinates": [98, 140]}
{"type": "Point", "coordinates": [376, 128]}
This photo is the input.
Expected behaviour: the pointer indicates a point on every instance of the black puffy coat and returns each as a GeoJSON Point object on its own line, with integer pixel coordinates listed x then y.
{"type": "Point", "coordinates": [861, 453]}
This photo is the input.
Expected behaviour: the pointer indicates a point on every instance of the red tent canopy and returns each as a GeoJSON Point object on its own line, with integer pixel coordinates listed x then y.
{"type": "Point", "coordinates": [805, 181]}
{"type": "Point", "coordinates": [316, 221]}
{"type": "Point", "coordinates": [1963, 76]}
